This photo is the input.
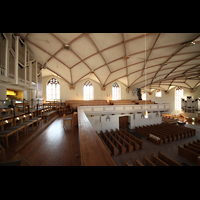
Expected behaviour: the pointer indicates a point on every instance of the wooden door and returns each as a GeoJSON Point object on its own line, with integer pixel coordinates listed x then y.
{"type": "Point", "coordinates": [123, 122]}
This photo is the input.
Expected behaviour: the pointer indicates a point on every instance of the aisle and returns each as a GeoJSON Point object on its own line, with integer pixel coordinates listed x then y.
{"type": "Point", "coordinates": [53, 147]}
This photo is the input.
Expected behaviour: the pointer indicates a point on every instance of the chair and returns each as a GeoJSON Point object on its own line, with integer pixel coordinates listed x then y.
{"type": "Point", "coordinates": [66, 119]}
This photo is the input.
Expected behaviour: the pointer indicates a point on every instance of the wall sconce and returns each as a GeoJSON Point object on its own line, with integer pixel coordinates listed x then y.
{"type": "Point", "coordinates": [146, 114]}
{"type": "Point", "coordinates": [157, 114]}
{"type": "Point", "coordinates": [107, 118]}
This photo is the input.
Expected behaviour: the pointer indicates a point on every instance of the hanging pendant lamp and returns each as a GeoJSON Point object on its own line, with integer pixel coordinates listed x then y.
{"type": "Point", "coordinates": [145, 112]}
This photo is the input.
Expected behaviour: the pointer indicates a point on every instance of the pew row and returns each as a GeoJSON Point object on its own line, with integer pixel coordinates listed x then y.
{"type": "Point", "coordinates": [160, 160]}
{"type": "Point", "coordinates": [191, 151]}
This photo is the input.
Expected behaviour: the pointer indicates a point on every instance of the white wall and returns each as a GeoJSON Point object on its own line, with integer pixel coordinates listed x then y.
{"type": "Point", "coordinates": [99, 122]}
{"type": "Point", "coordinates": [170, 98]}
{"type": "Point", "coordinates": [77, 94]}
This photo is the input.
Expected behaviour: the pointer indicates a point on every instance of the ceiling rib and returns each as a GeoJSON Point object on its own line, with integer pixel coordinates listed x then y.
{"type": "Point", "coordinates": [181, 65]}
{"type": "Point", "coordinates": [125, 59]}
{"type": "Point", "coordinates": [98, 51]}
{"type": "Point", "coordinates": [150, 53]}
{"type": "Point", "coordinates": [188, 73]}
{"type": "Point", "coordinates": [165, 62]}
{"type": "Point", "coordinates": [57, 74]}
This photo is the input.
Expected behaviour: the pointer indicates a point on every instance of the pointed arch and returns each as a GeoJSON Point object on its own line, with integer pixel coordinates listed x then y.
{"type": "Point", "coordinates": [53, 90]}
{"type": "Point", "coordinates": [88, 91]}
{"type": "Point", "coordinates": [116, 92]}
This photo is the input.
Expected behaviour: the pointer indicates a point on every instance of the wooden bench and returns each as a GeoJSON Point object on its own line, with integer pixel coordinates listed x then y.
{"type": "Point", "coordinates": [189, 154]}
{"type": "Point", "coordinates": [127, 145]}
{"type": "Point", "coordinates": [108, 142]}
{"type": "Point", "coordinates": [147, 162]}
{"type": "Point", "coordinates": [138, 163]}
{"type": "Point", "coordinates": [73, 104]}
{"type": "Point", "coordinates": [6, 133]}
{"type": "Point", "coordinates": [158, 161]}
{"type": "Point", "coordinates": [48, 113]}
{"type": "Point", "coordinates": [129, 140]}
{"type": "Point", "coordinates": [168, 160]}
{"type": "Point", "coordinates": [191, 148]}
{"type": "Point", "coordinates": [127, 164]}
{"type": "Point", "coordinates": [109, 151]}
{"type": "Point", "coordinates": [121, 148]}
{"type": "Point", "coordinates": [24, 120]}
{"type": "Point", "coordinates": [138, 141]}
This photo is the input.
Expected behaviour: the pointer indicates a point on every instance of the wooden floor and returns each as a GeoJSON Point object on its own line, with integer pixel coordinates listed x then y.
{"type": "Point", "coordinates": [53, 147]}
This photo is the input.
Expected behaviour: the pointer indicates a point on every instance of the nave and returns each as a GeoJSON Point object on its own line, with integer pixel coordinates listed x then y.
{"type": "Point", "coordinates": [169, 149]}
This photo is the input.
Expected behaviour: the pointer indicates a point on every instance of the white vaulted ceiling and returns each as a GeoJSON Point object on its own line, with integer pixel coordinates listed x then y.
{"type": "Point", "coordinates": [101, 57]}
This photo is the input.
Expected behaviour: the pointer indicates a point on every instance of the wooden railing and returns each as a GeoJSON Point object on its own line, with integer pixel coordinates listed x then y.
{"type": "Point", "coordinates": [92, 149]}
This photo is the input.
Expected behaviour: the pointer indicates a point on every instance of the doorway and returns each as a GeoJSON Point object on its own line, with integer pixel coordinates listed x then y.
{"type": "Point", "coordinates": [123, 122]}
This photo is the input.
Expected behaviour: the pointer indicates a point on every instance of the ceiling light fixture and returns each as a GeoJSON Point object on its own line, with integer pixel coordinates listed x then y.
{"type": "Point", "coordinates": [189, 44]}
{"type": "Point", "coordinates": [126, 57]}
{"type": "Point", "coordinates": [66, 46]}
{"type": "Point", "coordinates": [164, 64]}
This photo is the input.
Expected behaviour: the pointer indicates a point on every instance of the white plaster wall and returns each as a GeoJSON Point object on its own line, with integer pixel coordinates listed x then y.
{"type": "Point", "coordinates": [77, 94]}
{"type": "Point", "coordinates": [166, 98]}
{"type": "Point", "coordinates": [99, 122]}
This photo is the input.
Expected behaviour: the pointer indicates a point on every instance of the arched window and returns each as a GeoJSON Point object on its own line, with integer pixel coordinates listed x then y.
{"type": "Point", "coordinates": [88, 91]}
{"type": "Point", "coordinates": [53, 90]}
{"type": "Point", "coordinates": [178, 97]}
{"type": "Point", "coordinates": [158, 93]}
{"type": "Point", "coordinates": [116, 95]}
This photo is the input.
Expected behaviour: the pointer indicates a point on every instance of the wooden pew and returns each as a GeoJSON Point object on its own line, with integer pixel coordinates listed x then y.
{"type": "Point", "coordinates": [111, 146]}
{"type": "Point", "coordinates": [127, 145]}
{"type": "Point", "coordinates": [129, 140]}
{"type": "Point", "coordinates": [138, 141]}
{"type": "Point", "coordinates": [194, 145]}
{"type": "Point", "coordinates": [158, 161]}
{"type": "Point", "coordinates": [191, 148]}
{"type": "Point", "coordinates": [197, 143]}
{"type": "Point", "coordinates": [138, 163]}
{"type": "Point", "coordinates": [109, 151]}
{"type": "Point", "coordinates": [186, 153]}
{"type": "Point", "coordinates": [121, 148]}
{"type": "Point", "coordinates": [147, 162]}
{"type": "Point", "coordinates": [167, 160]}
{"type": "Point", "coordinates": [127, 164]}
